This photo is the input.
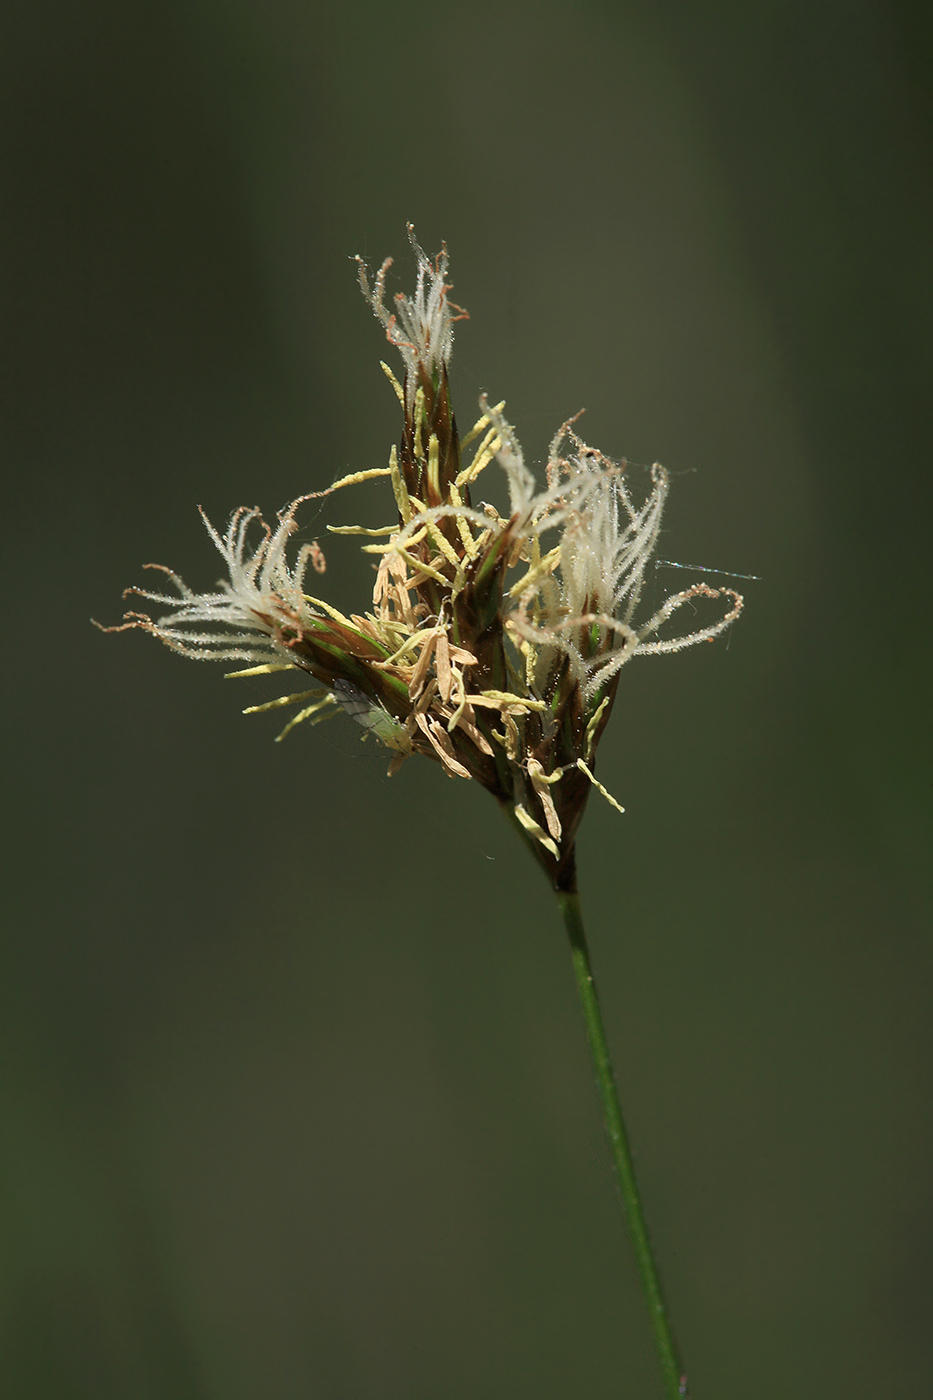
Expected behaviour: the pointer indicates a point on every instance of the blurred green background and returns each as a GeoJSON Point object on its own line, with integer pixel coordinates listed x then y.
{"type": "Point", "coordinates": [294, 1094]}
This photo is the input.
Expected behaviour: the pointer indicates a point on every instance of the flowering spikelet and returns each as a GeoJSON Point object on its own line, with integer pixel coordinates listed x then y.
{"type": "Point", "coordinates": [494, 645]}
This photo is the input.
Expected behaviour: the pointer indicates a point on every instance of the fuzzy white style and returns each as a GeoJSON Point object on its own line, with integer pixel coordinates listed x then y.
{"type": "Point", "coordinates": [242, 620]}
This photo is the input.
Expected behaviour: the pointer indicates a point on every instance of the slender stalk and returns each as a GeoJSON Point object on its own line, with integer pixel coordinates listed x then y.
{"type": "Point", "coordinates": [674, 1378]}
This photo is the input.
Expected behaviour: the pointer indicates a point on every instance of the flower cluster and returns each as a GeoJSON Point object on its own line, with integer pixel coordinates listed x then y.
{"type": "Point", "coordinates": [494, 644]}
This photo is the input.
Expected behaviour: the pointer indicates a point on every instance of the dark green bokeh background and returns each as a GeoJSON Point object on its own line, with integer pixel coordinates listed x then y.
{"type": "Point", "coordinates": [295, 1099]}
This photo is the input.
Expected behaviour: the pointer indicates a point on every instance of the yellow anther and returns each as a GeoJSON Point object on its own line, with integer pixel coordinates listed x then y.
{"type": "Point", "coordinates": [400, 392]}
{"type": "Point", "coordinates": [479, 425]}
{"type": "Point", "coordinates": [536, 830]}
{"type": "Point", "coordinates": [419, 417]}
{"type": "Point", "coordinates": [434, 459]}
{"type": "Point", "coordinates": [356, 477]}
{"type": "Point", "coordinates": [590, 735]}
{"type": "Point", "coordinates": [400, 490]}
{"type": "Point", "coordinates": [266, 670]}
{"type": "Point", "coordinates": [605, 791]}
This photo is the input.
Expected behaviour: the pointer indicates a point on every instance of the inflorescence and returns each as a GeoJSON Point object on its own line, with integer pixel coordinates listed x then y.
{"type": "Point", "coordinates": [494, 643]}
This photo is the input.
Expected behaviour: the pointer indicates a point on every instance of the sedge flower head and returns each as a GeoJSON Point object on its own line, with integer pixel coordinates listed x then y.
{"type": "Point", "coordinates": [494, 643]}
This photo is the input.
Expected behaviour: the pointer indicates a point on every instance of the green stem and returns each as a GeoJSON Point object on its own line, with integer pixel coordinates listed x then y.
{"type": "Point", "coordinates": [674, 1379]}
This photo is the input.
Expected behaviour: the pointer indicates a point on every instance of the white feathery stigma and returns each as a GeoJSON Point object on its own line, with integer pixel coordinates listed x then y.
{"type": "Point", "coordinates": [242, 620]}
{"type": "Point", "coordinates": [422, 326]}
{"type": "Point", "coordinates": [582, 597]}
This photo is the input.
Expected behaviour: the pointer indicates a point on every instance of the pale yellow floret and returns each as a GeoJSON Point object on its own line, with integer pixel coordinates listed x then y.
{"type": "Point", "coordinates": [443, 544]}
{"type": "Point", "coordinates": [480, 425]}
{"type": "Point", "coordinates": [369, 627]}
{"type": "Point", "coordinates": [513, 739]}
{"type": "Point", "coordinates": [541, 782]}
{"type": "Point", "coordinates": [323, 705]}
{"type": "Point", "coordinates": [320, 710]}
{"type": "Point", "coordinates": [419, 568]}
{"type": "Point", "coordinates": [420, 672]}
{"type": "Point", "coordinates": [540, 569]}
{"type": "Point", "coordinates": [536, 830]}
{"type": "Point", "coordinates": [440, 742]}
{"type": "Point", "coordinates": [599, 787]}
{"type": "Point", "coordinates": [462, 714]}
{"type": "Point", "coordinates": [390, 634]}
{"type": "Point", "coordinates": [419, 419]}
{"type": "Point", "coordinates": [399, 391]}
{"type": "Point", "coordinates": [590, 735]}
{"type": "Point", "coordinates": [391, 590]}
{"type": "Point", "coordinates": [442, 667]}
{"type": "Point", "coordinates": [539, 778]}
{"type": "Point", "coordinates": [410, 644]}
{"type": "Point", "coordinates": [474, 734]}
{"type": "Point", "coordinates": [466, 534]}
{"type": "Point", "coordinates": [355, 478]}
{"type": "Point", "coordinates": [331, 611]}
{"type": "Point", "coordinates": [363, 530]}
{"type": "Point", "coordinates": [459, 711]}
{"type": "Point", "coordinates": [286, 700]}
{"type": "Point", "coordinates": [484, 455]}
{"type": "Point", "coordinates": [530, 653]}
{"type": "Point", "coordinates": [399, 489]}
{"type": "Point", "coordinates": [434, 460]}
{"type": "Point", "coordinates": [505, 700]}
{"type": "Point", "coordinates": [392, 548]}
{"type": "Point", "coordinates": [265, 670]}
